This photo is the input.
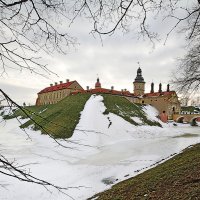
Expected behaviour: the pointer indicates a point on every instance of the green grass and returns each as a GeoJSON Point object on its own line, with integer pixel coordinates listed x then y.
{"type": "Point", "coordinates": [186, 135]}
{"type": "Point", "coordinates": [177, 178]}
{"type": "Point", "coordinates": [59, 119]}
{"type": "Point", "coordinates": [125, 109]}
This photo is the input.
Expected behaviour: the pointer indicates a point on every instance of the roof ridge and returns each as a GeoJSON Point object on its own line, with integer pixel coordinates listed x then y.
{"type": "Point", "coordinates": [56, 87]}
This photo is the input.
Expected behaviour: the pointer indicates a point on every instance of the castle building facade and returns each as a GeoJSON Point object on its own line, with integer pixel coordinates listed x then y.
{"type": "Point", "coordinates": [164, 101]}
{"type": "Point", "coordinates": [57, 92]}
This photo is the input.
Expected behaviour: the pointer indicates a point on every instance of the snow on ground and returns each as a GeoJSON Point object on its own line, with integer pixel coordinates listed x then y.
{"type": "Point", "coordinates": [137, 120]}
{"type": "Point", "coordinates": [151, 113]}
{"type": "Point", "coordinates": [110, 150]}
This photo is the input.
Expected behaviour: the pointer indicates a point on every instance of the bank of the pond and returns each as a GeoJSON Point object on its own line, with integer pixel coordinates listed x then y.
{"type": "Point", "coordinates": [177, 178]}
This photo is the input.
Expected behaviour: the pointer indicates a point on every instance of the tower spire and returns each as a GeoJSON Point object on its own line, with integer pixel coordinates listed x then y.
{"type": "Point", "coordinates": [139, 83]}
{"type": "Point", "coordinates": [97, 84]}
{"type": "Point", "coordinates": [168, 87]}
{"type": "Point", "coordinates": [152, 87]}
{"type": "Point", "coordinates": [160, 88]}
{"type": "Point", "coordinates": [139, 77]}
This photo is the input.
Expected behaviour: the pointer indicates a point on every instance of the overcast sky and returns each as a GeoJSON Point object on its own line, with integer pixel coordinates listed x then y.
{"type": "Point", "coordinates": [114, 62]}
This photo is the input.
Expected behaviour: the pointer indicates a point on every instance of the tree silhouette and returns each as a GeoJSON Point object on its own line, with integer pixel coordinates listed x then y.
{"type": "Point", "coordinates": [29, 27]}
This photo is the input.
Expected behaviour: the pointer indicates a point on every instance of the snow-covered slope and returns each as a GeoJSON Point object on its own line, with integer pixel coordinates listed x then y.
{"type": "Point", "coordinates": [110, 149]}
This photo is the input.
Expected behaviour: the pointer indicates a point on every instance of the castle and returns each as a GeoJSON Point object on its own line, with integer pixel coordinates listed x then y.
{"type": "Point", "coordinates": [166, 101]}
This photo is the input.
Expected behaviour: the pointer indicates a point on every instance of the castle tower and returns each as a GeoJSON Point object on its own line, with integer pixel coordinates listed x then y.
{"type": "Point", "coordinates": [139, 84]}
{"type": "Point", "coordinates": [160, 88]}
{"type": "Point", "coordinates": [97, 84]}
{"type": "Point", "coordinates": [168, 90]}
{"type": "Point", "coordinates": [152, 88]}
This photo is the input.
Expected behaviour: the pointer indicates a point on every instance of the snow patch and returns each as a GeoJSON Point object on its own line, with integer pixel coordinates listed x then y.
{"type": "Point", "coordinates": [137, 120]}
{"type": "Point", "coordinates": [151, 113]}
{"type": "Point", "coordinates": [103, 153]}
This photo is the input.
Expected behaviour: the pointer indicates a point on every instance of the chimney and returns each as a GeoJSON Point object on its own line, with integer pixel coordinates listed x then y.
{"type": "Point", "coordinates": [56, 83]}
{"type": "Point", "coordinates": [61, 82]}
{"type": "Point", "coordinates": [168, 88]}
{"type": "Point", "coordinates": [160, 88]}
{"type": "Point", "coordinates": [152, 87]}
{"type": "Point", "coordinates": [51, 85]}
{"type": "Point", "coordinates": [87, 88]}
{"type": "Point", "coordinates": [67, 80]}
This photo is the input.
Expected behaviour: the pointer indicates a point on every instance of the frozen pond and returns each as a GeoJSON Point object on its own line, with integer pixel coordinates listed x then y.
{"type": "Point", "coordinates": [115, 153]}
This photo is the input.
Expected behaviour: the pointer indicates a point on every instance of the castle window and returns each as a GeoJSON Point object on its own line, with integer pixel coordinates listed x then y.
{"type": "Point", "coordinates": [142, 101]}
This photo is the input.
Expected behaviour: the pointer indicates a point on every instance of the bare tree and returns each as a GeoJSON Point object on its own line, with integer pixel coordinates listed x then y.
{"type": "Point", "coordinates": [108, 16]}
{"type": "Point", "coordinates": [187, 77]}
{"type": "Point", "coordinates": [14, 170]}
{"type": "Point", "coordinates": [29, 27]}
{"type": "Point", "coordinates": [26, 28]}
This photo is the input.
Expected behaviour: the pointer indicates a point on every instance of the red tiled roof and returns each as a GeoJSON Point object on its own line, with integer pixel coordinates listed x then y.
{"type": "Point", "coordinates": [156, 94]}
{"type": "Point", "coordinates": [104, 91]}
{"type": "Point", "coordinates": [56, 87]}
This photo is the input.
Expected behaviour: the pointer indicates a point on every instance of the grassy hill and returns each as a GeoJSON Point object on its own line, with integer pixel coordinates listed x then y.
{"type": "Point", "coordinates": [127, 110]}
{"type": "Point", "coordinates": [59, 119]}
{"type": "Point", "coordinates": [177, 178]}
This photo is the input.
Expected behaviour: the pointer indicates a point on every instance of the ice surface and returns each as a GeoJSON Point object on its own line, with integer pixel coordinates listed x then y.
{"type": "Point", "coordinates": [105, 154]}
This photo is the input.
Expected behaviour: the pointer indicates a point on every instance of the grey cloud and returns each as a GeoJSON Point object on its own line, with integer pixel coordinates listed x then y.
{"type": "Point", "coordinates": [20, 94]}
{"type": "Point", "coordinates": [115, 62]}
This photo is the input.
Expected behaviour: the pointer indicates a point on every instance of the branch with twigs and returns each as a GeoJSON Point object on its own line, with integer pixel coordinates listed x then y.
{"type": "Point", "coordinates": [28, 28]}
{"type": "Point", "coordinates": [47, 131]}
{"type": "Point", "coordinates": [12, 169]}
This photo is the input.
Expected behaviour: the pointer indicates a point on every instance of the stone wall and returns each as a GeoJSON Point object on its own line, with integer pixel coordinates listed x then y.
{"type": "Point", "coordinates": [169, 104]}
{"type": "Point", "coordinates": [138, 88]}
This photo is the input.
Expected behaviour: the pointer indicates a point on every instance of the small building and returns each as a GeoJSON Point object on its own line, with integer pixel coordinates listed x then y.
{"type": "Point", "coordinates": [57, 92]}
